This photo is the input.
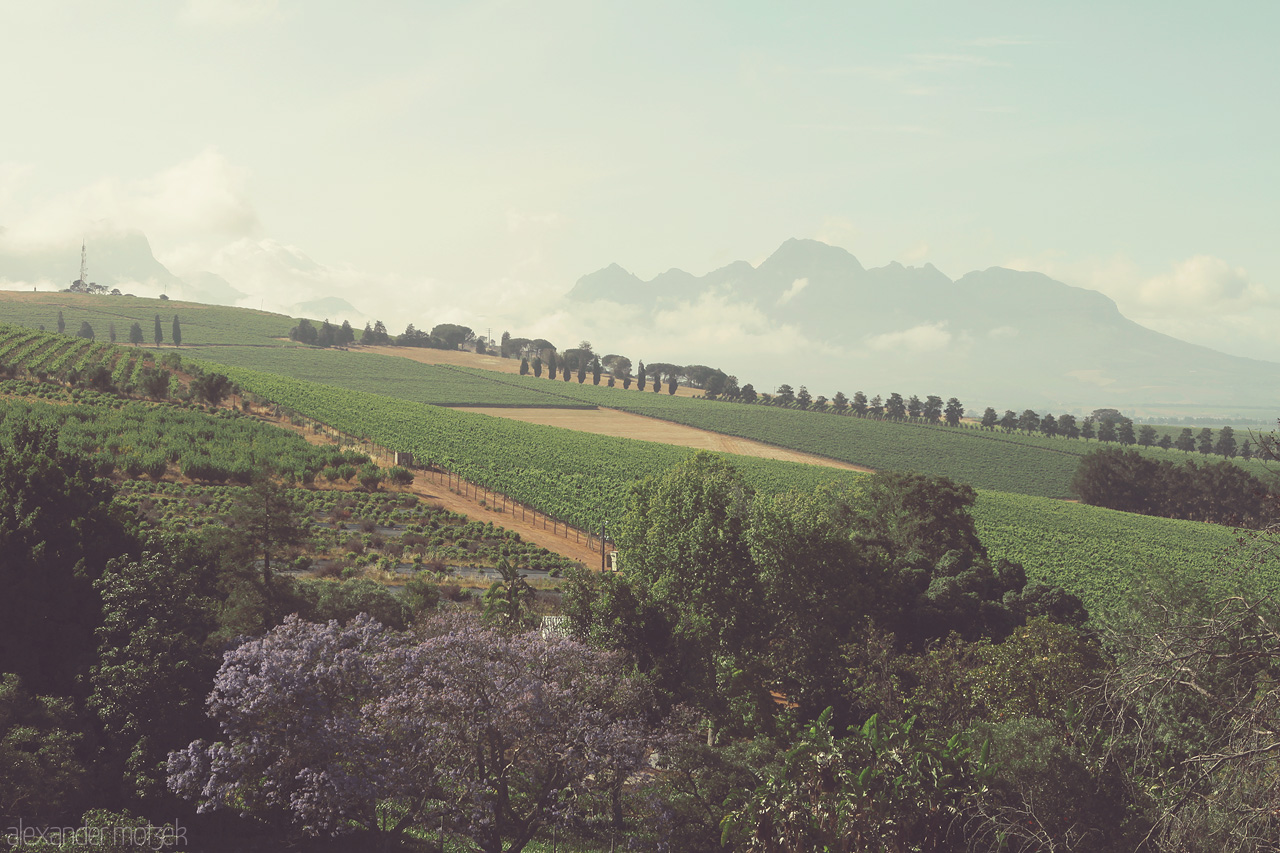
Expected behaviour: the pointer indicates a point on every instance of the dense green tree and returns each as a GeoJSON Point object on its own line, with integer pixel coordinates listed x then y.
{"type": "Point", "coordinates": [367, 337]}
{"type": "Point", "coordinates": [111, 332]}
{"type": "Point", "coordinates": [265, 524]}
{"type": "Point", "coordinates": [875, 408]}
{"type": "Point", "coordinates": [933, 409]}
{"type": "Point", "coordinates": [86, 331]}
{"type": "Point", "coordinates": [859, 404]}
{"type": "Point", "coordinates": [1106, 430]}
{"type": "Point", "coordinates": [1028, 421]}
{"type": "Point", "coordinates": [596, 370]}
{"type": "Point", "coordinates": [895, 407]}
{"type": "Point", "coordinates": [537, 367]}
{"type": "Point", "coordinates": [346, 334]}
{"type": "Point", "coordinates": [40, 771]}
{"type": "Point", "coordinates": [786, 395]}
{"type": "Point", "coordinates": [1165, 442]}
{"type": "Point", "coordinates": [840, 403]}
{"type": "Point", "coordinates": [672, 384]}
{"type": "Point", "coordinates": [1185, 442]}
{"type": "Point", "coordinates": [1009, 420]}
{"type": "Point", "coordinates": [1067, 426]}
{"type": "Point", "coordinates": [1146, 435]}
{"type": "Point", "coordinates": [748, 393]}
{"type": "Point", "coordinates": [327, 336]}
{"type": "Point", "coordinates": [452, 334]}
{"type": "Point", "coordinates": [803, 400]}
{"type": "Point", "coordinates": [62, 324]}
{"type": "Point", "coordinates": [582, 370]}
{"type": "Point", "coordinates": [1049, 425]}
{"type": "Point", "coordinates": [57, 532]}
{"type": "Point", "coordinates": [954, 411]}
{"type": "Point", "coordinates": [507, 603]}
{"type": "Point", "coordinates": [154, 667]}
{"type": "Point", "coordinates": [304, 332]}
{"type": "Point", "coordinates": [213, 388]}
{"type": "Point", "coordinates": [551, 365]}
{"type": "Point", "coordinates": [176, 334]}
{"type": "Point", "coordinates": [154, 382]}
{"type": "Point", "coordinates": [158, 335]}
{"type": "Point", "coordinates": [1204, 441]}
{"type": "Point", "coordinates": [915, 408]}
{"type": "Point", "coordinates": [1086, 429]}
{"type": "Point", "coordinates": [640, 377]}
{"type": "Point", "coordinates": [524, 366]}
{"type": "Point", "coordinates": [135, 334]}
{"type": "Point", "coordinates": [990, 418]}
{"type": "Point", "coordinates": [1246, 450]}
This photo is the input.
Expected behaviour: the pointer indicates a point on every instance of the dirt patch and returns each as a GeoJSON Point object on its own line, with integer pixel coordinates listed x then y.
{"type": "Point", "coordinates": [627, 425]}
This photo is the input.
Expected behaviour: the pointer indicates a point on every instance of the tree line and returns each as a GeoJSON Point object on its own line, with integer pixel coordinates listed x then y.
{"type": "Point", "coordinates": [135, 331]}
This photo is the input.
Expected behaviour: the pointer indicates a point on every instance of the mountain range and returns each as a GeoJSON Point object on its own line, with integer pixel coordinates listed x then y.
{"type": "Point", "coordinates": [997, 336]}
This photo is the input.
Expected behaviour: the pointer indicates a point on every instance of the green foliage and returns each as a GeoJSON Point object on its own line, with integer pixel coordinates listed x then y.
{"type": "Point", "coordinates": [39, 767]}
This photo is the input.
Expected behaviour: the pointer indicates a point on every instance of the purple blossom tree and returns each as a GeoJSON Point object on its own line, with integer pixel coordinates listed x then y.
{"type": "Point", "coordinates": [342, 729]}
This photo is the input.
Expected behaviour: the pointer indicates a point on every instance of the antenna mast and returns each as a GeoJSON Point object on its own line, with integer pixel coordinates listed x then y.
{"type": "Point", "coordinates": [84, 264]}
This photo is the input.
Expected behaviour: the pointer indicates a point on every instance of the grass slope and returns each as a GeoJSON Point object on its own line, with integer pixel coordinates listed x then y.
{"type": "Point", "coordinates": [201, 324]}
{"type": "Point", "coordinates": [380, 374]}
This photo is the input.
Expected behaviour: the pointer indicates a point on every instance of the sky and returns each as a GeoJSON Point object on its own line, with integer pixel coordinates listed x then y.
{"type": "Point", "coordinates": [468, 161]}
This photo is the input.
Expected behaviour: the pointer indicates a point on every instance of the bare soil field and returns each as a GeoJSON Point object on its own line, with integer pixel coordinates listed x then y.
{"type": "Point", "coordinates": [627, 425]}
{"type": "Point", "coordinates": [458, 358]}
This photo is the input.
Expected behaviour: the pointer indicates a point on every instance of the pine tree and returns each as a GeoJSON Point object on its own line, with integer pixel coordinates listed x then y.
{"type": "Point", "coordinates": [524, 367]}
{"type": "Point", "coordinates": [159, 333]}
{"type": "Point", "coordinates": [551, 366]}
{"type": "Point", "coordinates": [990, 418]}
{"type": "Point", "coordinates": [346, 334]}
{"type": "Point", "coordinates": [640, 377]}
{"type": "Point", "coordinates": [1186, 442]}
{"type": "Point", "coordinates": [1204, 441]}
{"type": "Point", "coordinates": [1226, 445]}
{"type": "Point", "coordinates": [177, 332]}
{"type": "Point", "coordinates": [954, 411]}
{"type": "Point", "coordinates": [1086, 430]}
{"type": "Point", "coordinates": [135, 334]}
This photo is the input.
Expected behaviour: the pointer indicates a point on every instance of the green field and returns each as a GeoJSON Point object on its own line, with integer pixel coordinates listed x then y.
{"type": "Point", "coordinates": [1006, 462]}
{"type": "Point", "coordinates": [381, 374]}
{"type": "Point", "coordinates": [201, 324]}
{"type": "Point", "coordinates": [584, 478]}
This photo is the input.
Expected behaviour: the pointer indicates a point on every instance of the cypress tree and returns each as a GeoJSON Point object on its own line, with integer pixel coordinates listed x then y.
{"type": "Point", "coordinates": [62, 324]}
{"type": "Point", "coordinates": [177, 332]}
{"type": "Point", "coordinates": [159, 334]}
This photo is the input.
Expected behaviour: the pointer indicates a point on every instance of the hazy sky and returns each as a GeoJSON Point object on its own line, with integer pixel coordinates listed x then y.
{"type": "Point", "coordinates": [471, 160]}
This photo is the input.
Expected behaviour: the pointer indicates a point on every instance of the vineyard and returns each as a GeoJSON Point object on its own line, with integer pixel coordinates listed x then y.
{"type": "Point", "coordinates": [157, 441]}
{"type": "Point", "coordinates": [387, 375]}
{"type": "Point", "coordinates": [1008, 462]}
{"type": "Point", "coordinates": [584, 479]}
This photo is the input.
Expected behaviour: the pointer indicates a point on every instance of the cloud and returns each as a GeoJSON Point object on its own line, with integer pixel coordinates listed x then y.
{"type": "Point", "coordinates": [796, 286]}
{"type": "Point", "coordinates": [230, 13]}
{"type": "Point", "coordinates": [997, 41]}
{"type": "Point", "coordinates": [186, 209]}
{"type": "Point", "coordinates": [929, 337]}
{"type": "Point", "coordinates": [1202, 299]}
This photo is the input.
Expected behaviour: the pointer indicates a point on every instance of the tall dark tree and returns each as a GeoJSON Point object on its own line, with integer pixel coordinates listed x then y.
{"type": "Point", "coordinates": [328, 335]}
{"type": "Point", "coordinates": [875, 408]}
{"type": "Point", "coordinates": [551, 365]}
{"type": "Point", "coordinates": [1028, 421]}
{"type": "Point", "coordinates": [1226, 445]}
{"type": "Point", "coordinates": [1146, 436]}
{"type": "Point", "coordinates": [1106, 430]}
{"type": "Point", "coordinates": [1009, 421]}
{"type": "Point", "coordinates": [158, 335]}
{"type": "Point", "coordinates": [366, 337]}
{"type": "Point", "coordinates": [564, 369]}
{"type": "Point", "coordinates": [1246, 450]}
{"type": "Point", "coordinates": [596, 370]}
{"type": "Point", "coordinates": [1049, 425]}
{"type": "Point", "coordinates": [304, 332]}
{"type": "Point", "coordinates": [1086, 429]}
{"type": "Point", "coordinates": [111, 332]}
{"type": "Point", "coordinates": [840, 403]}
{"type": "Point", "coordinates": [504, 346]}
{"type": "Point", "coordinates": [895, 407]}
{"type": "Point", "coordinates": [1186, 441]}
{"type": "Point", "coordinates": [640, 377]}
{"type": "Point", "coordinates": [582, 370]}
{"type": "Point", "coordinates": [177, 332]}
{"type": "Point", "coordinates": [1165, 442]}
{"type": "Point", "coordinates": [524, 366]}
{"type": "Point", "coordinates": [86, 331]}
{"type": "Point", "coordinates": [135, 334]}
{"type": "Point", "coordinates": [1124, 432]}
{"type": "Point", "coordinates": [1067, 426]}
{"type": "Point", "coordinates": [859, 404]}
{"type": "Point", "coordinates": [537, 367]}
{"type": "Point", "coordinates": [672, 384]}
{"type": "Point", "coordinates": [915, 408]}
{"type": "Point", "coordinates": [785, 395]}
{"type": "Point", "coordinates": [990, 418]}
{"type": "Point", "coordinates": [802, 398]}
{"type": "Point", "coordinates": [213, 388]}
{"type": "Point", "coordinates": [954, 411]}
{"type": "Point", "coordinates": [933, 409]}
{"type": "Point", "coordinates": [1204, 441]}
{"type": "Point", "coordinates": [62, 324]}
{"type": "Point", "coordinates": [346, 334]}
